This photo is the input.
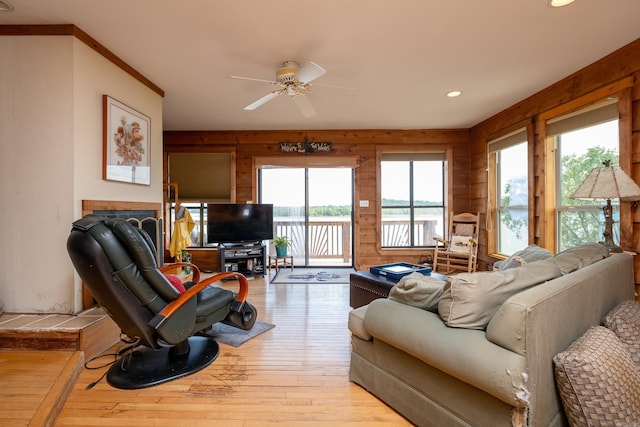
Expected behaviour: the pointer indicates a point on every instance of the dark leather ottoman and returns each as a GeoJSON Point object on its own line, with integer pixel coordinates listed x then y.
{"type": "Point", "coordinates": [366, 287]}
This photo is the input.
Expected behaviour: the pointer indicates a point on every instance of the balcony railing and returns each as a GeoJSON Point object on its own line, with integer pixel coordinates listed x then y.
{"type": "Point", "coordinates": [332, 239]}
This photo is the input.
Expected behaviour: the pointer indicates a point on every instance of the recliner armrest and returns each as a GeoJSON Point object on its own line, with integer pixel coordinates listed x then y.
{"type": "Point", "coordinates": [174, 305]}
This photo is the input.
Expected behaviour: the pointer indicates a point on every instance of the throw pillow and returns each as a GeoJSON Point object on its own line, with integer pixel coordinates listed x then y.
{"type": "Point", "coordinates": [579, 257]}
{"type": "Point", "coordinates": [460, 243]}
{"type": "Point", "coordinates": [470, 300]}
{"type": "Point", "coordinates": [597, 380]}
{"type": "Point", "coordinates": [176, 282]}
{"type": "Point", "coordinates": [464, 229]}
{"type": "Point", "coordinates": [419, 291]}
{"type": "Point", "coordinates": [624, 320]}
{"type": "Point", "coordinates": [529, 254]}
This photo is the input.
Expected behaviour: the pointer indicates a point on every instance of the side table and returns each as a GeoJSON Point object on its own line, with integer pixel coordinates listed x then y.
{"type": "Point", "coordinates": [277, 261]}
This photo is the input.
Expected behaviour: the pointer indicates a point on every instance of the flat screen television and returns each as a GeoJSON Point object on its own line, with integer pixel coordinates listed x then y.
{"type": "Point", "coordinates": [238, 223]}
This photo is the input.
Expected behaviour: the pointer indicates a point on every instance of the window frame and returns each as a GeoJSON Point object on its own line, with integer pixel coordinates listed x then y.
{"type": "Point", "coordinates": [594, 207]}
{"type": "Point", "coordinates": [493, 211]}
{"type": "Point", "coordinates": [547, 225]}
{"type": "Point", "coordinates": [201, 222]}
{"type": "Point", "coordinates": [447, 152]}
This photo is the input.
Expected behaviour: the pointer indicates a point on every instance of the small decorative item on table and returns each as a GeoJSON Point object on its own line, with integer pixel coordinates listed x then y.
{"type": "Point", "coordinates": [186, 257]}
{"type": "Point", "coordinates": [281, 243]}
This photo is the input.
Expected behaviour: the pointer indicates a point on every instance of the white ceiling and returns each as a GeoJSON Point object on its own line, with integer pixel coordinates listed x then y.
{"type": "Point", "coordinates": [402, 56]}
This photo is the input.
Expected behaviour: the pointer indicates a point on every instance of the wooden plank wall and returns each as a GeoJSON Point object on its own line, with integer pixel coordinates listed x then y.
{"type": "Point", "coordinates": [621, 64]}
{"type": "Point", "coordinates": [361, 144]}
{"type": "Point", "coordinates": [469, 186]}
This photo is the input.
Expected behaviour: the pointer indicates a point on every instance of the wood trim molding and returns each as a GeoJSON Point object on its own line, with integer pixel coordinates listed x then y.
{"type": "Point", "coordinates": [72, 30]}
{"type": "Point", "coordinates": [89, 206]}
{"type": "Point", "coordinates": [591, 97]}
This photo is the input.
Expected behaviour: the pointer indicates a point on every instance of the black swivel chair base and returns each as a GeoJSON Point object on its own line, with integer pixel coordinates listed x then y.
{"type": "Point", "coordinates": [147, 367]}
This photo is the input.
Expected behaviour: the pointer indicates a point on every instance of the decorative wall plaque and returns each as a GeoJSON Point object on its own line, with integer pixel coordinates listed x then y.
{"type": "Point", "coordinates": [305, 147]}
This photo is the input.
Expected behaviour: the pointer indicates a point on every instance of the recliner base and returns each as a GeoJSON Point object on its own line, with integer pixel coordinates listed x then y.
{"type": "Point", "coordinates": [147, 367]}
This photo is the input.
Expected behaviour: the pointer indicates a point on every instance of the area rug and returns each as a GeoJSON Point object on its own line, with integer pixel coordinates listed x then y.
{"type": "Point", "coordinates": [235, 337]}
{"type": "Point", "coordinates": [313, 275]}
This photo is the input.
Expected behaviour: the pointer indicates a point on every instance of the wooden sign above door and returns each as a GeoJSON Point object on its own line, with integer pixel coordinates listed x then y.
{"type": "Point", "coordinates": [305, 147]}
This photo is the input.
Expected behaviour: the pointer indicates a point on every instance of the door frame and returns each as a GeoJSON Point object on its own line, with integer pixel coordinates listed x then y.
{"type": "Point", "coordinates": [307, 162]}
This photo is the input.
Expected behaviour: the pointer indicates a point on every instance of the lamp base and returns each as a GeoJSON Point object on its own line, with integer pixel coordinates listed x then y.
{"type": "Point", "coordinates": [608, 229]}
{"type": "Point", "coordinates": [612, 247]}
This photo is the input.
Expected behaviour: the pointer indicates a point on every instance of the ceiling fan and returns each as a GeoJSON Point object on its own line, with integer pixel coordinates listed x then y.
{"type": "Point", "coordinates": [294, 81]}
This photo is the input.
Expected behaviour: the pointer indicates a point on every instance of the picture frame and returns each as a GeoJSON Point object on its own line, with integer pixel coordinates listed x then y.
{"type": "Point", "coordinates": [126, 143]}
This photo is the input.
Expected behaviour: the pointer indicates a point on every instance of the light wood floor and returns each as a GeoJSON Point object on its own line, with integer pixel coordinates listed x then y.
{"type": "Point", "coordinates": [294, 374]}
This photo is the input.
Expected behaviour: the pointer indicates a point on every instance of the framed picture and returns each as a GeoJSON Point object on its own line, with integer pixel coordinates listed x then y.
{"type": "Point", "coordinates": [125, 143]}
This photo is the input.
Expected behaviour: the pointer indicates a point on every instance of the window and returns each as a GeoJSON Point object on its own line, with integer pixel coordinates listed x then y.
{"type": "Point", "coordinates": [508, 160]}
{"type": "Point", "coordinates": [413, 195]}
{"type": "Point", "coordinates": [198, 213]}
{"type": "Point", "coordinates": [199, 178]}
{"type": "Point", "coordinates": [582, 141]}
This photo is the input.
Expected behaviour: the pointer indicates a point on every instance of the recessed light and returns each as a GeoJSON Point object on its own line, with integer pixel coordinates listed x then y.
{"type": "Point", "coordinates": [454, 93]}
{"type": "Point", "coordinates": [5, 6]}
{"type": "Point", "coordinates": [559, 3]}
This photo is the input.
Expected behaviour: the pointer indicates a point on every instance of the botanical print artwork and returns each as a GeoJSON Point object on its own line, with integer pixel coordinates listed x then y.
{"type": "Point", "coordinates": [128, 139]}
{"type": "Point", "coordinates": [126, 143]}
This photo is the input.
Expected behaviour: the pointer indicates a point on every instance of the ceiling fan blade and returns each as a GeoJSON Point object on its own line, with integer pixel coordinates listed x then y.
{"type": "Point", "coordinates": [310, 72]}
{"type": "Point", "coordinates": [268, 97]}
{"type": "Point", "coordinates": [253, 80]}
{"type": "Point", "coordinates": [304, 105]}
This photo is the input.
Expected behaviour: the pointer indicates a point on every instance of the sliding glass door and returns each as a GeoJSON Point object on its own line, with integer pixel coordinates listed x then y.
{"type": "Point", "coordinates": [313, 207]}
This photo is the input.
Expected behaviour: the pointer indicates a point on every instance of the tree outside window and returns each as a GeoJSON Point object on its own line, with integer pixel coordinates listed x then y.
{"type": "Point", "coordinates": [581, 221]}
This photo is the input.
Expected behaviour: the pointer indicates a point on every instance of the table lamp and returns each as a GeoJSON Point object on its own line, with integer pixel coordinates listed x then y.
{"type": "Point", "coordinates": [606, 183]}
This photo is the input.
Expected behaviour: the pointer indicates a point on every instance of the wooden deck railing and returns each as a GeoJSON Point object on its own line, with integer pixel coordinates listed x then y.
{"type": "Point", "coordinates": [332, 239]}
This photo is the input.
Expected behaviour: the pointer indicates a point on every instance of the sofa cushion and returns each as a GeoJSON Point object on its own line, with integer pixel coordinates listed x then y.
{"type": "Point", "coordinates": [470, 300]}
{"type": "Point", "coordinates": [578, 257]}
{"type": "Point", "coordinates": [597, 380]}
{"type": "Point", "coordinates": [419, 291]}
{"type": "Point", "coordinates": [529, 254]}
{"type": "Point", "coordinates": [624, 320]}
{"type": "Point", "coordinates": [465, 354]}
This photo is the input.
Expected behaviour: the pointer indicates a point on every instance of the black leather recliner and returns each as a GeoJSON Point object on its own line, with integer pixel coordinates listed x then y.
{"type": "Point", "coordinates": [115, 261]}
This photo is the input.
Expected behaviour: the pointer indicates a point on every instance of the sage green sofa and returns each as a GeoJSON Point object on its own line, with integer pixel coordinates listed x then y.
{"type": "Point", "coordinates": [498, 375]}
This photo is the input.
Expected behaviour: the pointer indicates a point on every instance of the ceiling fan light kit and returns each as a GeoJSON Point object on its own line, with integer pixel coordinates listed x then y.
{"type": "Point", "coordinates": [294, 81]}
{"type": "Point", "coordinates": [559, 3]}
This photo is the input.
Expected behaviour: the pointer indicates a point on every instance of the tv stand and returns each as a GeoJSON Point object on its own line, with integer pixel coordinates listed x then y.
{"type": "Point", "coordinates": [249, 259]}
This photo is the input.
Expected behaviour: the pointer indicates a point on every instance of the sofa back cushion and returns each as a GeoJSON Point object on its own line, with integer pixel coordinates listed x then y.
{"type": "Point", "coordinates": [470, 300]}
{"type": "Point", "coordinates": [529, 254]}
{"type": "Point", "coordinates": [597, 380]}
{"type": "Point", "coordinates": [579, 257]}
{"type": "Point", "coordinates": [419, 291]}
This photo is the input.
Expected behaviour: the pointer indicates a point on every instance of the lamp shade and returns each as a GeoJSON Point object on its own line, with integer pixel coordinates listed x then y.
{"type": "Point", "coordinates": [608, 182]}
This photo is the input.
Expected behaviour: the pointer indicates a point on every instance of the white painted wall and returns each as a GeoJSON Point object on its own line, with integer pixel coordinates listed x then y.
{"type": "Point", "coordinates": [51, 91]}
